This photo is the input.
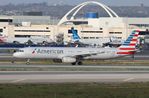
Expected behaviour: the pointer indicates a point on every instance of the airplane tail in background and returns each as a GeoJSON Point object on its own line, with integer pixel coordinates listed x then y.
{"type": "Point", "coordinates": [75, 35]}
{"type": "Point", "coordinates": [129, 46]}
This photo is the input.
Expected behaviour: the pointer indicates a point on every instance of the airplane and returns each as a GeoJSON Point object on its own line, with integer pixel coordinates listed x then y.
{"type": "Point", "coordinates": [26, 40]}
{"type": "Point", "coordinates": [96, 41]}
{"type": "Point", "coordinates": [75, 55]}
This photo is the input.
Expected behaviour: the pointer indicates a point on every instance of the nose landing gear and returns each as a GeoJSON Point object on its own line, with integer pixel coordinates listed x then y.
{"type": "Point", "coordinates": [77, 63]}
{"type": "Point", "coordinates": [28, 61]}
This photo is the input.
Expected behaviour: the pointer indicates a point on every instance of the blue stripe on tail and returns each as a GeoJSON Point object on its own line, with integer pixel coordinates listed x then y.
{"type": "Point", "coordinates": [129, 39]}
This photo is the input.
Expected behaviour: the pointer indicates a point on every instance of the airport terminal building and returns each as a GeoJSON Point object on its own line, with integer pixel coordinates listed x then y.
{"type": "Point", "coordinates": [89, 27]}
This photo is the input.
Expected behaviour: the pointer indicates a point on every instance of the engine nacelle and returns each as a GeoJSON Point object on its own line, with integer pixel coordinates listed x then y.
{"type": "Point", "coordinates": [68, 59]}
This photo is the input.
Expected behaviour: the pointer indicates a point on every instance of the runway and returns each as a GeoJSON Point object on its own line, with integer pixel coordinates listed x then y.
{"type": "Point", "coordinates": [73, 77]}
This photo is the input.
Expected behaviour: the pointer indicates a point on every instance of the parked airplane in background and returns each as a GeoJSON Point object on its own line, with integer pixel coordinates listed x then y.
{"type": "Point", "coordinates": [75, 55]}
{"type": "Point", "coordinates": [95, 41]}
{"type": "Point", "coordinates": [26, 40]}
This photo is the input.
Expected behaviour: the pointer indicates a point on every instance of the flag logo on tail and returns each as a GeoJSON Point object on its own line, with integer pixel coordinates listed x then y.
{"type": "Point", "coordinates": [129, 46]}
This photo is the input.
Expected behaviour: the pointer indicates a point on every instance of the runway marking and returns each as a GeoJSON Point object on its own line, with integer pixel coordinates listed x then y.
{"type": "Point", "coordinates": [126, 80]}
{"type": "Point", "coordinates": [15, 81]}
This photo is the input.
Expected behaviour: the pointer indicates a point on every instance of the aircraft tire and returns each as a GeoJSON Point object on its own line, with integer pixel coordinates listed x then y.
{"type": "Point", "coordinates": [80, 63]}
{"type": "Point", "coordinates": [74, 63]}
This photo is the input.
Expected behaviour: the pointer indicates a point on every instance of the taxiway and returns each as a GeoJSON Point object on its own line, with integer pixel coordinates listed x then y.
{"type": "Point", "coordinates": [71, 76]}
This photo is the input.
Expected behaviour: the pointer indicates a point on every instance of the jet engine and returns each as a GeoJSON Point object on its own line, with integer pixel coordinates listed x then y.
{"type": "Point", "coordinates": [68, 59]}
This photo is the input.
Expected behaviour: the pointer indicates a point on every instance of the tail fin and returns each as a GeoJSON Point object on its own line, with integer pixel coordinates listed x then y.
{"type": "Point", "coordinates": [129, 46]}
{"type": "Point", "coordinates": [75, 35]}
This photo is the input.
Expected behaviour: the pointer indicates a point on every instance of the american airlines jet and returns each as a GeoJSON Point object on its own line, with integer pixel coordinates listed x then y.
{"type": "Point", "coordinates": [75, 55]}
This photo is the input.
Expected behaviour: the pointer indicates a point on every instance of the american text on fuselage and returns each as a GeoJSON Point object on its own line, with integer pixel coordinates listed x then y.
{"type": "Point", "coordinates": [52, 51]}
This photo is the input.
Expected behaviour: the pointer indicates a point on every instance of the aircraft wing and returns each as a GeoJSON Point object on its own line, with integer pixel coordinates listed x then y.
{"type": "Point", "coordinates": [85, 54]}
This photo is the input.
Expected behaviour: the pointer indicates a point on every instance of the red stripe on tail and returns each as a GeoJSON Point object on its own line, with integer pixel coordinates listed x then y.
{"type": "Point", "coordinates": [126, 48]}
{"type": "Point", "coordinates": [136, 35]}
{"type": "Point", "coordinates": [134, 40]}
{"type": "Point", "coordinates": [127, 53]}
{"type": "Point", "coordinates": [132, 44]}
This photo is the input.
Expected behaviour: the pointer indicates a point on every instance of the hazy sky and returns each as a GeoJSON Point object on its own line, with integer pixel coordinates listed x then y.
{"type": "Point", "coordinates": [107, 2]}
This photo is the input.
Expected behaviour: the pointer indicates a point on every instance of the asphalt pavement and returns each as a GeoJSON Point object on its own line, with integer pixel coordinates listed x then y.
{"type": "Point", "coordinates": [73, 77]}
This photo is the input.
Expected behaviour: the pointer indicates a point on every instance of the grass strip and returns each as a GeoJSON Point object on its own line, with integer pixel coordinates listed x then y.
{"type": "Point", "coordinates": [75, 90]}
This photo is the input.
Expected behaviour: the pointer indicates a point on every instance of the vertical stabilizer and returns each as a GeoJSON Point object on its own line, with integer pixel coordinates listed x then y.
{"type": "Point", "coordinates": [129, 46]}
{"type": "Point", "coordinates": [75, 35]}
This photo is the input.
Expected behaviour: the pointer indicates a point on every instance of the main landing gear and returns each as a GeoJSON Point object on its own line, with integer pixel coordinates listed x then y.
{"type": "Point", "coordinates": [77, 63]}
{"type": "Point", "coordinates": [78, 60]}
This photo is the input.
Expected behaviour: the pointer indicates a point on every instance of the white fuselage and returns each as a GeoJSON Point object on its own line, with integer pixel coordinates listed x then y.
{"type": "Point", "coordinates": [60, 52]}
